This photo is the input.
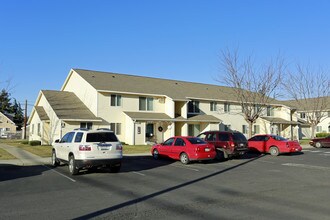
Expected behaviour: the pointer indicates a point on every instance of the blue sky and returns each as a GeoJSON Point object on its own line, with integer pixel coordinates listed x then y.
{"type": "Point", "coordinates": [40, 41]}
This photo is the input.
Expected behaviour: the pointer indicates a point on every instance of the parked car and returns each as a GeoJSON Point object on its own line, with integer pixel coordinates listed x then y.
{"type": "Point", "coordinates": [185, 149]}
{"type": "Point", "coordinates": [320, 142]}
{"type": "Point", "coordinates": [227, 143]}
{"type": "Point", "coordinates": [83, 148]}
{"type": "Point", "coordinates": [273, 144]}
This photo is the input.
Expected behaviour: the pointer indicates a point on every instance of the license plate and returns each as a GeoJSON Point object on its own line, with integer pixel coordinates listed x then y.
{"type": "Point", "coordinates": [207, 149]}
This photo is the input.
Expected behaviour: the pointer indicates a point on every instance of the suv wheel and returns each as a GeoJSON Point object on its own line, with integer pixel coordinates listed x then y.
{"type": "Point", "coordinates": [72, 166]}
{"type": "Point", "coordinates": [55, 161]}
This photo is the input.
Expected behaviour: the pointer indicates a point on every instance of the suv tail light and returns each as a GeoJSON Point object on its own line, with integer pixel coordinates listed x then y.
{"type": "Point", "coordinates": [119, 147]}
{"type": "Point", "coordinates": [85, 148]}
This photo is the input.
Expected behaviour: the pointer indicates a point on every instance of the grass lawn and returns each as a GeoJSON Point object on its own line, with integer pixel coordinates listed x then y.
{"type": "Point", "coordinates": [45, 151]}
{"type": "Point", "coordinates": [4, 155]}
{"type": "Point", "coordinates": [136, 149]}
{"type": "Point", "coordinates": [304, 141]}
{"type": "Point", "coordinates": [42, 151]}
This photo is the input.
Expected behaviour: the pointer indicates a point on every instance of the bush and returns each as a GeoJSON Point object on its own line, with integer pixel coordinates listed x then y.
{"type": "Point", "coordinates": [35, 143]}
{"type": "Point", "coordinates": [322, 134]}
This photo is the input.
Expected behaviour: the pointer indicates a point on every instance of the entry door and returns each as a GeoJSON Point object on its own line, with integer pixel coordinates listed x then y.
{"type": "Point", "coordinates": [150, 132]}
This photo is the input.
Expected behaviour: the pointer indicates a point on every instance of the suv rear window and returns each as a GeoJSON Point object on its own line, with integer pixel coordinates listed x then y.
{"type": "Point", "coordinates": [239, 137]}
{"type": "Point", "coordinates": [101, 137]}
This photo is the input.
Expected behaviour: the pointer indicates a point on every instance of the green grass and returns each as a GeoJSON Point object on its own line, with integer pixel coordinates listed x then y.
{"type": "Point", "coordinates": [304, 141]}
{"type": "Point", "coordinates": [45, 151]}
{"type": "Point", "coordinates": [136, 149]}
{"type": "Point", "coordinates": [42, 151]}
{"type": "Point", "coordinates": [4, 155]}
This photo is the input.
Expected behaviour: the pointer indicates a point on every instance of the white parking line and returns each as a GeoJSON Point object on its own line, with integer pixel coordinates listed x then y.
{"type": "Point", "coordinates": [185, 167]}
{"type": "Point", "coordinates": [138, 173]}
{"type": "Point", "coordinates": [60, 173]}
{"type": "Point", "coordinates": [306, 166]}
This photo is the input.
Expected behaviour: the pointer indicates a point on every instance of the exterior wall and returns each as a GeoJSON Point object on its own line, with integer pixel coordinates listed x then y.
{"type": "Point", "coordinates": [6, 125]}
{"type": "Point", "coordinates": [54, 126]}
{"type": "Point", "coordinates": [86, 93]}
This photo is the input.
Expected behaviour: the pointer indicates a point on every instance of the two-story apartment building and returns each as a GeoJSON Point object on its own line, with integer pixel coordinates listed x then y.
{"type": "Point", "coordinates": [142, 109]}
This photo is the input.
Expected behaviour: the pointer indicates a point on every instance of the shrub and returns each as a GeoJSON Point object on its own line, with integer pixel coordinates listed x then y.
{"type": "Point", "coordinates": [35, 143]}
{"type": "Point", "coordinates": [322, 134]}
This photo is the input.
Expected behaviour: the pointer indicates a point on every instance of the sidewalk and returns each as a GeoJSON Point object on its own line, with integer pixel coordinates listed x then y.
{"type": "Point", "coordinates": [24, 158]}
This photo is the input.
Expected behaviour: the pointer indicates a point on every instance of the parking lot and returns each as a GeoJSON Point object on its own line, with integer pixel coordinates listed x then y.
{"type": "Point", "coordinates": [254, 187]}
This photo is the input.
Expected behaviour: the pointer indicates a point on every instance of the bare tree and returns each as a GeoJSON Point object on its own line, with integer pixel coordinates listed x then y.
{"type": "Point", "coordinates": [310, 91]}
{"type": "Point", "coordinates": [253, 86]}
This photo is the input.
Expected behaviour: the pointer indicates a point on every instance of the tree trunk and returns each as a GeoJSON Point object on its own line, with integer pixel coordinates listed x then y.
{"type": "Point", "coordinates": [250, 128]}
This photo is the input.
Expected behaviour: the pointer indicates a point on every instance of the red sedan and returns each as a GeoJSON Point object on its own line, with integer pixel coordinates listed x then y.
{"type": "Point", "coordinates": [273, 144]}
{"type": "Point", "coordinates": [185, 149]}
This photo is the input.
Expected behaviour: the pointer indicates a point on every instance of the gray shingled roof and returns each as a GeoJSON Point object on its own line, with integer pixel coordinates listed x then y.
{"type": "Point", "coordinates": [143, 116]}
{"type": "Point", "coordinates": [42, 113]}
{"type": "Point", "coordinates": [67, 106]}
{"type": "Point", "coordinates": [177, 90]}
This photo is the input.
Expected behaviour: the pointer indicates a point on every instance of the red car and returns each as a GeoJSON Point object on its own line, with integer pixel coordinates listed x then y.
{"type": "Point", "coordinates": [185, 149]}
{"type": "Point", "coordinates": [273, 144]}
{"type": "Point", "coordinates": [320, 142]}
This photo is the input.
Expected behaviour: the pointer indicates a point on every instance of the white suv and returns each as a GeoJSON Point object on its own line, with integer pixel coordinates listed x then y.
{"type": "Point", "coordinates": [83, 148]}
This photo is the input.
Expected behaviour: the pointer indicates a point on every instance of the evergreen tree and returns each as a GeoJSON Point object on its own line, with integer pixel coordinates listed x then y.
{"type": "Point", "coordinates": [18, 114]}
{"type": "Point", "coordinates": [5, 105]}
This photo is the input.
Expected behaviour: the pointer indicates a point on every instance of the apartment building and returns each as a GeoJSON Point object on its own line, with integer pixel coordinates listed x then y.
{"type": "Point", "coordinates": [144, 109]}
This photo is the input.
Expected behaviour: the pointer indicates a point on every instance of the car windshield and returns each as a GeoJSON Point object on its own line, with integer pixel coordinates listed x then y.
{"type": "Point", "coordinates": [239, 137]}
{"type": "Point", "coordinates": [195, 140]}
{"type": "Point", "coordinates": [279, 138]}
{"type": "Point", "coordinates": [101, 137]}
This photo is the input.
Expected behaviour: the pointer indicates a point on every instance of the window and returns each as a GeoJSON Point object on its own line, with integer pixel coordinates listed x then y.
{"type": "Point", "coordinates": [270, 111]}
{"type": "Point", "coordinates": [193, 107]}
{"type": "Point", "coordinates": [146, 104]}
{"type": "Point", "coordinates": [101, 137]}
{"type": "Point", "coordinates": [116, 127]}
{"type": "Point", "coordinates": [302, 115]}
{"type": "Point", "coordinates": [38, 129]}
{"type": "Point", "coordinates": [256, 109]}
{"type": "Point", "coordinates": [256, 129]}
{"type": "Point", "coordinates": [67, 138]}
{"type": "Point", "coordinates": [179, 142]}
{"type": "Point", "coordinates": [78, 137]}
{"type": "Point", "coordinates": [88, 125]}
{"type": "Point", "coordinates": [224, 137]}
{"type": "Point", "coordinates": [193, 130]}
{"type": "Point", "coordinates": [169, 142]}
{"type": "Point", "coordinates": [318, 128]}
{"type": "Point", "coordinates": [226, 107]}
{"type": "Point", "coordinates": [213, 106]}
{"type": "Point", "coordinates": [115, 100]}
{"type": "Point", "coordinates": [244, 129]}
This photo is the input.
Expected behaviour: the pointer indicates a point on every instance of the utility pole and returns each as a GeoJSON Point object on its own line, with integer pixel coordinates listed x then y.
{"type": "Point", "coordinates": [25, 119]}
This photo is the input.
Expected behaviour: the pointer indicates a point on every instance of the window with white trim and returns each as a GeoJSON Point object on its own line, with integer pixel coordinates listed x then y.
{"type": "Point", "coordinates": [193, 107]}
{"type": "Point", "coordinates": [146, 103]}
{"type": "Point", "coordinates": [213, 106]}
{"type": "Point", "coordinates": [116, 127]}
{"type": "Point", "coordinates": [115, 100]}
{"type": "Point", "coordinates": [226, 107]}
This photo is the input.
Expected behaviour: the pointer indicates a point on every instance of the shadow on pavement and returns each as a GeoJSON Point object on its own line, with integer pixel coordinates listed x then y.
{"type": "Point", "coordinates": [11, 172]}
